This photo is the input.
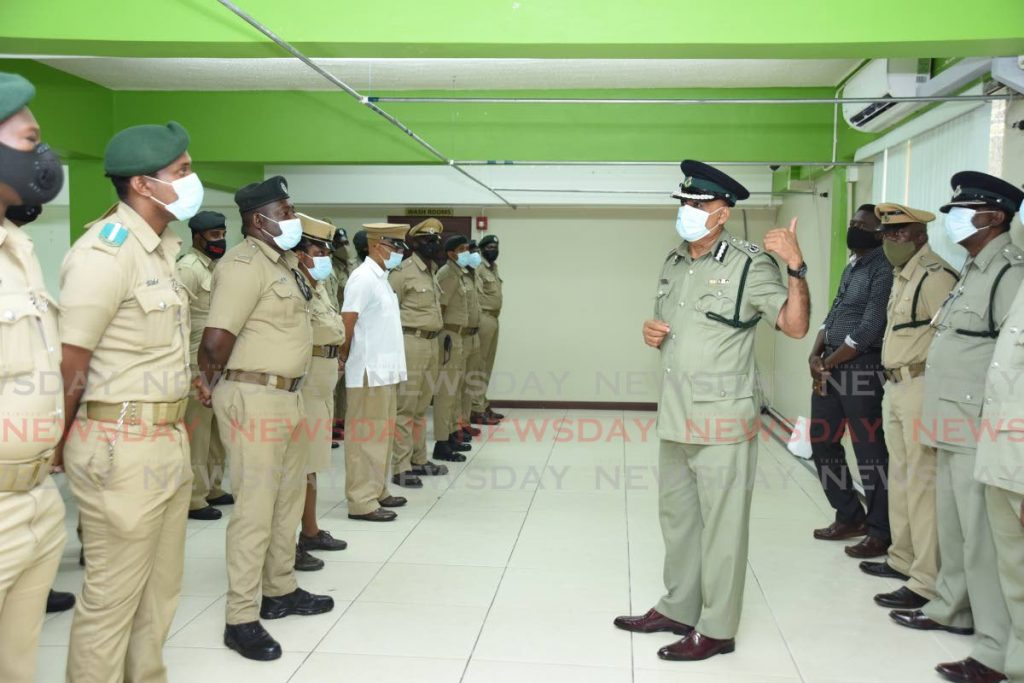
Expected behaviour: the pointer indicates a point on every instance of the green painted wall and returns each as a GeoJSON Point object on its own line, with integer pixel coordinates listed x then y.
{"type": "Point", "coordinates": [524, 28]}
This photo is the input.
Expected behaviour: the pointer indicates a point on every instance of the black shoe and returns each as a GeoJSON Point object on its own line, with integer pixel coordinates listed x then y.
{"type": "Point", "coordinates": [494, 414]}
{"type": "Point", "coordinates": [81, 557]}
{"type": "Point", "coordinates": [298, 602]}
{"type": "Point", "coordinates": [304, 562]}
{"type": "Point", "coordinates": [902, 598]}
{"type": "Point", "coordinates": [472, 431]}
{"type": "Point", "coordinates": [407, 480]}
{"type": "Point", "coordinates": [428, 469]}
{"type": "Point", "coordinates": [881, 569]}
{"type": "Point", "coordinates": [322, 541]}
{"type": "Point", "coordinates": [378, 515]}
{"type": "Point", "coordinates": [459, 446]}
{"type": "Point", "coordinates": [443, 451]}
{"type": "Point", "coordinates": [392, 502]}
{"type": "Point", "coordinates": [459, 437]}
{"type": "Point", "coordinates": [225, 499]}
{"type": "Point", "coordinates": [335, 444]}
{"type": "Point", "coordinates": [57, 601]}
{"type": "Point", "coordinates": [252, 641]}
{"type": "Point", "coordinates": [207, 513]}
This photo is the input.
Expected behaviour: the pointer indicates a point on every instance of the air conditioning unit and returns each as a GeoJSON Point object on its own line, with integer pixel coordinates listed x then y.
{"type": "Point", "coordinates": [883, 79]}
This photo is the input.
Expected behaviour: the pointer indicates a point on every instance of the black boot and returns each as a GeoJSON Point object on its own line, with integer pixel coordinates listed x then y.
{"type": "Point", "coordinates": [298, 602]}
{"type": "Point", "coordinates": [443, 451]}
{"type": "Point", "coordinates": [252, 641]}
{"type": "Point", "coordinates": [57, 601]}
{"type": "Point", "coordinates": [456, 445]}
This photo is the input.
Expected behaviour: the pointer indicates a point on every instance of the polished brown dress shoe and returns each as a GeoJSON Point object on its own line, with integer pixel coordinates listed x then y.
{"type": "Point", "coordinates": [696, 647]}
{"type": "Point", "coordinates": [917, 620]}
{"type": "Point", "coordinates": [869, 546]}
{"type": "Point", "coordinates": [378, 515]}
{"type": "Point", "coordinates": [969, 671]}
{"type": "Point", "coordinates": [902, 598]}
{"type": "Point", "coordinates": [882, 569]}
{"type": "Point", "coordinates": [392, 502]}
{"type": "Point", "coordinates": [652, 622]}
{"type": "Point", "coordinates": [840, 531]}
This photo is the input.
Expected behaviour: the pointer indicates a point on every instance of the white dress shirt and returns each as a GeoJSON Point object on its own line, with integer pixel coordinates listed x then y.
{"type": "Point", "coordinates": [378, 347]}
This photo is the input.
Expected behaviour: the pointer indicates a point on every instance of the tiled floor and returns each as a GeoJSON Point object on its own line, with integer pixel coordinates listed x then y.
{"type": "Point", "coordinates": [512, 567]}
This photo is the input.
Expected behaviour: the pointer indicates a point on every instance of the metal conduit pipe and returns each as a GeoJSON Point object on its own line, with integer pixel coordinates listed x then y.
{"type": "Point", "coordinates": [657, 192]}
{"type": "Point", "coordinates": [688, 101]}
{"type": "Point", "coordinates": [365, 101]}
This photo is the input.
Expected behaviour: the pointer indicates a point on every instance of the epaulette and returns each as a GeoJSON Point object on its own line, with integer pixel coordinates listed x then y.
{"type": "Point", "coordinates": [1013, 254]}
{"type": "Point", "coordinates": [245, 256]}
{"type": "Point", "coordinates": [748, 249]}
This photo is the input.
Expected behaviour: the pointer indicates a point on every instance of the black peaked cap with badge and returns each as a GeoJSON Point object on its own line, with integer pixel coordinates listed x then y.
{"type": "Point", "coordinates": [488, 239]}
{"type": "Point", "coordinates": [141, 150]}
{"type": "Point", "coordinates": [973, 189]}
{"type": "Point", "coordinates": [255, 195]}
{"type": "Point", "coordinates": [207, 220]}
{"type": "Point", "coordinates": [705, 182]}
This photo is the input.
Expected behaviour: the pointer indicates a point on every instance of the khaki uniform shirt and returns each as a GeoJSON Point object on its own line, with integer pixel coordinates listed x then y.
{"type": "Point", "coordinates": [195, 272]}
{"type": "Point", "coordinates": [712, 305]}
{"type": "Point", "coordinates": [120, 298]}
{"type": "Point", "coordinates": [1001, 455]}
{"type": "Point", "coordinates": [489, 286]}
{"type": "Point", "coordinates": [31, 391]}
{"type": "Point", "coordinates": [473, 299]}
{"type": "Point", "coordinates": [328, 329]}
{"type": "Point", "coordinates": [918, 290]}
{"type": "Point", "coordinates": [961, 351]}
{"type": "Point", "coordinates": [256, 297]}
{"type": "Point", "coordinates": [336, 281]}
{"type": "Point", "coordinates": [419, 295]}
{"type": "Point", "coordinates": [455, 283]}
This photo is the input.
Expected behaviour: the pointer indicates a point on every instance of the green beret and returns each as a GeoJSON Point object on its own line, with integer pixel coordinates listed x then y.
{"type": "Point", "coordinates": [488, 239]}
{"type": "Point", "coordinates": [144, 149]}
{"type": "Point", "coordinates": [207, 220]}
{"type": "Point", "coordinates": [255, 195]}
{"type": "Point", "coordinates": [15, 93]}
{"type": "Point", "coordinates": [454, 242]}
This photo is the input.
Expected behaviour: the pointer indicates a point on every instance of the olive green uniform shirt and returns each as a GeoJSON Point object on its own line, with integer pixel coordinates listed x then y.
{"type": "Point", "coordinates": [419, 295]}
{"type": "Point", "coordinates": [489, 287]}
{"type": "Point", "coordinates": [965, 339]}
{"type": "Point", "coordinates": [456, 283]}
{"type": "Point", "coordinates": [328, 329]}
{"type": "Point", "coordinates": [918, 290]}
{"type": "Point", "coordinates": [712, 305]}
{"type": "Point", "coordinates": [256, 297]}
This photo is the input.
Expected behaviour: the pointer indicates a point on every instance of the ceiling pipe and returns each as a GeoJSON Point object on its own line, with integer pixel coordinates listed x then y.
{"type": "Point", "coordinates": [652, 192]}
{"type": "Point", "coordinates": [832, 101]}
{"type": "Point", "coordinates": [352, 92]}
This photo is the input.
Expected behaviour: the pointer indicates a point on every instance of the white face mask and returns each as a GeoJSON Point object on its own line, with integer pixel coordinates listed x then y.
{"type": "Point", "coordinates": [393, 260]}
{"type": "Point", "coordinates": [322, 268]}
{"type": "Point", "coordinates": [959, 223]}
{"type": "Point", "coordinates": [462, 259]}
{"type": "Point", "coordinates": [691, 222]}
{"type": "Point", "coordinates": [291, 232]}
{"type": "Point", "coordinates": [475, 259]}
{"type": "Point", "coordinates": [190, 196]}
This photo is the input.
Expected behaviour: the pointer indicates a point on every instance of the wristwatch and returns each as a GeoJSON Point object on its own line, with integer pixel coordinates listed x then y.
{"type": "Point", "coordinates": [800, 272]}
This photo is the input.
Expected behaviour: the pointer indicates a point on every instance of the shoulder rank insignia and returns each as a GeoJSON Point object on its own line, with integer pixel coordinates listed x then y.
{"type": "Point", "coordinates": [753, 248]}
{"type": "Point", "coordinates": [720, 251]}
{"type": "Point", "coordinates": [113, 234]}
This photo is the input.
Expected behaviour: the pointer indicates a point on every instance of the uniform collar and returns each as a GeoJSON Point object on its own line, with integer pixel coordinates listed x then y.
{"type": "Point", "coordinates": [267, 250]}
{"type": "Point", "coordinates": [907, 271]}
{"type": "Point", "coordinates": [683, 249]}
{"type": "Point", "coordinates": [137, 225]}
{"type": "Point", "coordinates": [456, 266]}
{"type": "Point", "coordinates": [203, 258]}
{"type": "Point", "coordinates": [988, 254]}
{"type": "Point", "coordinates": [420, 263]}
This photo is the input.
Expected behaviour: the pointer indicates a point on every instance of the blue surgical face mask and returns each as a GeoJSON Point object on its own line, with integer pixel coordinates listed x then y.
{"type": "Point", "coordinates": [291, 233]}
{"type": "Point", "coordinates": [463, 259]}
{"type": "Point", "coordinates": [691, 222]}
{"type": "Point", "coordinates": [322, 268]}
{"type": "Point", "coordinates": [475, 259]}
{"type": "Point", "coordinates": [393, 260]}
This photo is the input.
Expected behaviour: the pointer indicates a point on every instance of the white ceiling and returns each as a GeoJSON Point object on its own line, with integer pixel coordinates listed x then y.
{"type": "Point", "coordinates": [369, 75]}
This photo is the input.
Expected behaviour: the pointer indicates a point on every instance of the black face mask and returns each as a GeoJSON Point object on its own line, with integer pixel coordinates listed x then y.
{"type": "Point", "coordinates": [23, 215]}
{"type": "Point", "coordinates": [490, 254]}
{"type": "Point", "coordinates": [428, 249]}
{"type": "Point", "coordinates": [215, 248]}
{"type": "Point", "coordinates": [36, 176]}
{"type": "Point", "coordinates": [858, 239]}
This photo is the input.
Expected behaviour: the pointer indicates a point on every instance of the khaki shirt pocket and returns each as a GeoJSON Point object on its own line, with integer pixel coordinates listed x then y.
{"type": "Point", "coordinates": [20, 334]}
{"type": "Point", "coordinates": [161, 313]}
{"type": "Point", "coordinates": [286, 299]}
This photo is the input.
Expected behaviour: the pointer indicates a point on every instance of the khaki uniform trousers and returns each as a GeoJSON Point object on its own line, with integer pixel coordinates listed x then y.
{"type": "Point", "coordinates": [915, 537]}
{"type": "Point", "coordinates": [414, 398]}
{"type": "Point", "coordinates": [704, 494]}
{"type": "Point", "coordinates": [1004, 518]}
{"type": "Point", "coordinates": [488, 349]}
{"type": "Point", "coordinates": [451, 376]}
{"type": "Point", "coordinates": [340, 400]}
{"type": "Point", "coordinates": [318, 402]}
{"type": "Point", "coordinates": [267, 456]}
{"type": "Point", "coordinates": [32, 537]}
{"type": "Point", "coordinates": [133, 502]}
{"type": "Point", "coordinates": [968, 589]}
{"type": "Point", "coordinates": [207, 454]}
{"type": "Point", "coordinates": [472, 385]}
{"type": "Point", "coordinates": [369, 435]}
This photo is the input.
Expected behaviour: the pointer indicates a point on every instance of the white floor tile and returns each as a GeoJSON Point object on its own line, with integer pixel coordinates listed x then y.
{"type": "Point", "coordinates": [323, 666]}
{"type": "Point", "coordinates": [198, 665]}
{"type": "Point", "coordinates": [427, 584]}
{"type": "Point", "coordinates": [485, 671]}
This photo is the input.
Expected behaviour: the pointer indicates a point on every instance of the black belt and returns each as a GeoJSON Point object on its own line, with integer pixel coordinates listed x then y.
{"type": "Point", "coordinates": [422, 334]}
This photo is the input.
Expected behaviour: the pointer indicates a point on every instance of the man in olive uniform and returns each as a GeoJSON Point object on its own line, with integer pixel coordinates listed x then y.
{"type": "Point", "coordinates": [489, 287]}
{"type": "Point", "coordinates": [472, 386]}
{"type": "Point", "coordinates": [713, 290]}
{"type": "Point", "coordinates": [335, 284]}
{"type": "Point", "coordinates": [31, 510]}
{"type": "Point", "coordinates": [419, 298]}
{"type": "Point", "coordinates": [969, 595]}
{"type": "Point", "coordinates": [125, 327]}
{"type": "Point", "coordinates": [921, 282]}
{"type": "Point", "coordinates": [1000, 456]}
{"type": "Point", "coordinates": [195, 271]}
{"type": "Point", "coordinates": [455, 282]}
{"type": "Point", "coordinates": [253, 357]}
